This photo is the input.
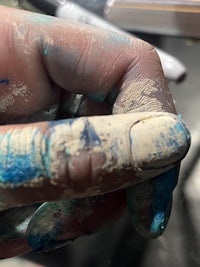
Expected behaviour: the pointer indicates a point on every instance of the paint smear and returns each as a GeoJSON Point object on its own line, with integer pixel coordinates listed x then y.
{"type": "Point", "coordinates": [15, 91]}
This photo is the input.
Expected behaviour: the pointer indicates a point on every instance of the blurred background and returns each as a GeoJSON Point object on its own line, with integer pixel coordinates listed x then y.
{"type": "Point", "coordinates": [117, 244]}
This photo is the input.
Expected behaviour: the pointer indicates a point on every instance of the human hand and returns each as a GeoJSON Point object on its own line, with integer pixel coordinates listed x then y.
{"type": "Point", "coordinates": [45, 62]}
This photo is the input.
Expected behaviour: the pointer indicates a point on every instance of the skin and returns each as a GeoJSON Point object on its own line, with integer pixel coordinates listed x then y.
{"type": "Point", "coordinates": [45, 60]}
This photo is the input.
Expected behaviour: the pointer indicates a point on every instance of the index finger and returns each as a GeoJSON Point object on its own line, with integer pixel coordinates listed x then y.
{"type": "Point", "coordinates": [47, 158]}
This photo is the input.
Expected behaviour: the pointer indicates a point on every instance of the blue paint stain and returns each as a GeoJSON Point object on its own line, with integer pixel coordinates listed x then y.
{"type": "Point", "coordinates": [97, 97]}
{"type": "Point", "coordinates": [179, 128]}
{"type": "Point", "coordinates": [163, 186]}
{"type": "Point", "coordinates": [180, 116]}
{"type": "Point", "coordinates": [67, 59]}
{"type": "Point", "coordinates": [89, 135]}
{"type": "Point", "coordinates": [158, 222]}
{"type": "Point", "coordinates": [45, 51]}
{"type": "Point", "coordinates": [115, 39]}
{"type": "Point", "coordinates": [17, 167]}
{"type": "Point", "coordinates": [4, 81]}
{"type": "Point", "coordinates": [42, 241]}
{"type": "Point", "coordinates": [101, 97]}
{"type": "Point", "coordinates": [61, 122]}
{"type": "Point", "coordinates": [40, 18]}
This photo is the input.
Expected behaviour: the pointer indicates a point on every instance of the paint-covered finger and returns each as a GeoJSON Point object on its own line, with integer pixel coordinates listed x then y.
{"type": "Point", "coordinates": [56, 223]}
{"type": "Point", "coordinates": [82, 157]}
{"type": "Point", "coordinates": [73, 57]}
{"type": "Point", "coordinates": [150, 203]}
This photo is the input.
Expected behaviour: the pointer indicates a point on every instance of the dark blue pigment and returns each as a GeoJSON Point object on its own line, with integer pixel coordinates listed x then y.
{"type": "Point", "coordinates": [18, 169]}
{"type": "Point", "coordinates": [44, 241]}
{"type": "Point", "coordinates": [164, 185]}
{"type": "Point", "coordinates": [4, 81]}
{"type": "Point", "coordinates": [89, 135]}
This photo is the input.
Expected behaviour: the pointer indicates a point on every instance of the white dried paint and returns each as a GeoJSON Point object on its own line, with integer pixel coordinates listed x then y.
{"type": "Point", "coordinates": [14, 92]}
{"type": "Point", "coordinates": [138, 94]}
{"type": "Point", "coordinates": [147, 149]}
{"type": "Point", "coordinates": [21, 32]}
{"type": "Point", "coordinates": [152, 140]}
{"type": "Point", "coordinates": [67, 139]}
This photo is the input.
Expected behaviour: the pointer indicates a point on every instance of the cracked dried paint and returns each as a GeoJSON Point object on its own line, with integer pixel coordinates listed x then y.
{"type": "Point", "coordinates": [54, 150]}
{"type": "Point", "coordinates": [14, 92]}
{"type": "Point", "coordinates": [144, 91]}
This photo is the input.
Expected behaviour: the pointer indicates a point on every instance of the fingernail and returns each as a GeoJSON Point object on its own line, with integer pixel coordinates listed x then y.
{"type": "Point", "coordinates": [46, 224]}
{"type": "Point", "coordinates": [55, 224]}
{"type": "Point", "coordinates": [158, 143]}
{"type": "Point", "coordinates": [150, 203]}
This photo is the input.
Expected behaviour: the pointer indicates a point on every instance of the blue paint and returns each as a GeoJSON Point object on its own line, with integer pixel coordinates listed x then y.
{"type": "Point", "coordinates": [47, 224]}
{"type": "Point", "coordinates": [45, 51]}
{"type": "Point", "coordinates": [179, 128]}
{"type": "Point", "coordinates": [163, 186]}
{"type": "Point", "coordinates": [67, 60]}
{"type": "Point", "coordinates": [16, 167]}
{"type": "Point", "coordinates": [167, 139]}
{"type": "Point", "coordinates": [42, 241]}
{"type": "Point", "coordinates": [180, 116]}
{"type": "Point", "coordinates": [4, 81]}
{"type": "Point", "coordinates": [40, 19]}
{"type": "Point", "coordinates": [150, 210]}
{"type": "Point", "coordinates": [97, 97]}
{"type": "Point", "coordinates": [89, 135]}
{"type": "Point", "coordinates": [61, 122]}
{"type": "Point", "coordinates": [117, 39]}
{"type": "Point", "coordinates": [158, 222]}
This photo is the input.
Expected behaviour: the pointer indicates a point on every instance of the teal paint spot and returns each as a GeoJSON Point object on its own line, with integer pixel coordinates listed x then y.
{"type": "Point", "coordinates": [37, 18]}
{"type": "Point", "coordinates": [180, 116]}
{"type": "Point", "coordinates": [97, 97]}
{"type": "Point", "coordinates": [66, 60]}
{"type": "Point", "coordinates": [101, 97]}
{"type": "Point", "coordinates": [158, 222]}
{"type": "Point", "coordinates": [151, 220]}
{"type": "Point", "coordinates": [115, 39]}
{"type": "Point", "coordinates": [163, 186]}
{"type": "Point", "coordinates": [179, 128]}
{"type": "Point", "coordinates": [45, 51]}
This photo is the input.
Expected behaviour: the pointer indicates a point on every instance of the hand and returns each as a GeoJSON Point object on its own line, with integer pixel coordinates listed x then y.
{"type": "Point", "coordinates": [45, 63]}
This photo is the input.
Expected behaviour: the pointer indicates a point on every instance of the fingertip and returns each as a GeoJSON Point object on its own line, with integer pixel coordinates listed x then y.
{"type": "Point", "coordinates": [150, 204]}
